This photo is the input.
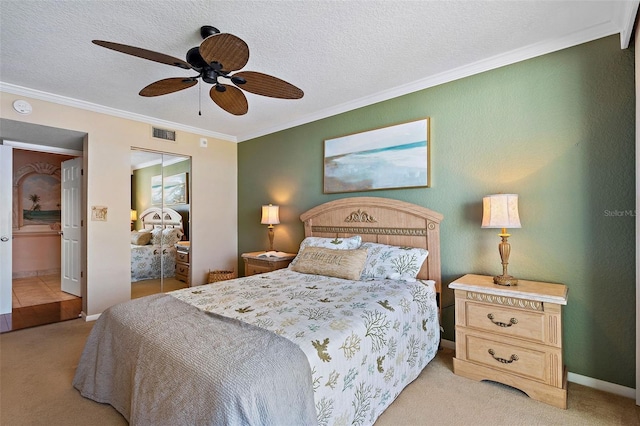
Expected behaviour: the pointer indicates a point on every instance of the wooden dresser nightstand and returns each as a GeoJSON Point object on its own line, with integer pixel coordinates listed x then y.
{"type": "Point", "coordinates": [256, 264]}
{"type": "Point", "coordinates": [512, 335]}
{"type": "Point", "coordinates": [182, 263]}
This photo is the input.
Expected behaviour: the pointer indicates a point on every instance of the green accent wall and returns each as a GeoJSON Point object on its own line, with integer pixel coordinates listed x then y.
{"type": "Point", "coordinates": [558, 130]}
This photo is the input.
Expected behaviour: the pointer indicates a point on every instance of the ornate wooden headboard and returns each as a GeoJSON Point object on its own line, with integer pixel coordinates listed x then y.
{"type": "Point", "coordinates": [381, 220]}
{"type": "Point", "coordinates": [156, 217]}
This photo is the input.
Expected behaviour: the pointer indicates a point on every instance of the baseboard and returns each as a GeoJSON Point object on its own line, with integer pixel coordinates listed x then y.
{"type": "Point", "coordinates": [602, 385]}
{"type": "Point", "coordinates": [449, 344]}
{"type": "Point", "coordinates": [578, 379]}
{"type": "Point", "coordinates": [88, 318]}
{"type": "Point", "coordinates": [31, 274]}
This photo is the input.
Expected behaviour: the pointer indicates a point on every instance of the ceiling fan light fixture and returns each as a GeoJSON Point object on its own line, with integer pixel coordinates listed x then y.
{"type": "Point", "coordinates": [209, 76]}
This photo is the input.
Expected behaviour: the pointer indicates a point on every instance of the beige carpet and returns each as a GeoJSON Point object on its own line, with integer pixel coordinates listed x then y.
{"type": "Point", "coordinates": [37, 366]}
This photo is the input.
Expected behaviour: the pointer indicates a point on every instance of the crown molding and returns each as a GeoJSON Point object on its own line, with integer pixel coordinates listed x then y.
{"type": "Point", "coordinates": [622, 24]}
{"type": "Point", "coordinates": [625, 15]}
{"type": "Point", "coordinates": [604, 29]}
{"type": "Point", "coordinates": [76, 103]}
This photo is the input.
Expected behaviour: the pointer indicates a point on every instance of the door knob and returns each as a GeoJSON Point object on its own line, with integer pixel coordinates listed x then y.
{"type": "Point", "coordinates": [4, 239]}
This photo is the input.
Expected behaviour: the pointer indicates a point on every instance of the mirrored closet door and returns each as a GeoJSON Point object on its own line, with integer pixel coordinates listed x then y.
{"type": "Point", "coordinates": [160, 222]}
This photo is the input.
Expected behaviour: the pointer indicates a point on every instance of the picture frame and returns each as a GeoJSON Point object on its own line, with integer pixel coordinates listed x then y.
{"type": "Point", "coordinates": [174, 188]}
{"type": "Point", "coordinates": [391, 157]}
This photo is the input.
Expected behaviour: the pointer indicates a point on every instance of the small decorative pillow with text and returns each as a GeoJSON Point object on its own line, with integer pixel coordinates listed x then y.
{"type": "Point", "coordinates": [392, 262]}
{"type": "Point", "coordinates": [347, 264]}
{"type": "Point", "coordinates": [140, 238]}
{"type": "Point", "coordinates": [349, 243]}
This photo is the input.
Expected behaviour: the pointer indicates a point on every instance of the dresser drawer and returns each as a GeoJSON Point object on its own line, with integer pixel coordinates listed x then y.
{"type": "Point", "coordinates": [182, 257]}
{"type": "Point", "coordinates": [255, 263]}
{"type": "Point", "coordinates": [182, 270]}
{"type": "Point", "coordinates": [506, 321]}
{"type": "Point", "coordinates": [253, 269]}
{"type": "Point", "coordinates": [508, 357]}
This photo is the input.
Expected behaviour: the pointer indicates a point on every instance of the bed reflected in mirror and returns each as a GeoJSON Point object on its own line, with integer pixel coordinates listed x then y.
{"type": "Point", "coordinates": [160, 246]}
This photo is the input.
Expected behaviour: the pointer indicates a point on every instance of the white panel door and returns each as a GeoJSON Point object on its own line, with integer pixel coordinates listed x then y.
{"type": "Point", "coordinates": [71, 226]}
{"type": "Point", "coordinates": [6, 244]}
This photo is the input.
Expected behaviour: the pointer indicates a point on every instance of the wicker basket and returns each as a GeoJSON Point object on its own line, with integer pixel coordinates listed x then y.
{"type": "Point", "coordinates": [217, 275]}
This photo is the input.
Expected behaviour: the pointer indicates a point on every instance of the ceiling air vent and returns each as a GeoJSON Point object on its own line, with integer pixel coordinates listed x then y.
{"type": "Point", "coordinates": [167, 135]}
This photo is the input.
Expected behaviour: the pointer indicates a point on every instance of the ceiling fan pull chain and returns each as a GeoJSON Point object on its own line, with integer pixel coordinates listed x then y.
{"type": "Point", "coordinates": [199, 97]}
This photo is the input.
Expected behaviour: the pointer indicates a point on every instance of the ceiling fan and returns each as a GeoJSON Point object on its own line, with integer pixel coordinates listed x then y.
{"type": "Point", "coordinates": [216, 58]}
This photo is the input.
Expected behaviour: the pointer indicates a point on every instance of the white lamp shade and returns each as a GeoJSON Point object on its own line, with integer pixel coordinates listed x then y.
{"type": "Point", "coordinates": [270, 215]}
{"type": "Point", "coordinates": [500, 211]}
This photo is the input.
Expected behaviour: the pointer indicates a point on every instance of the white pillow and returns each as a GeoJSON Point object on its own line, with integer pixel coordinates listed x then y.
{"type": "Point", "coordinates": [392, 262]}
{"type": "Point", "coordinates": [140, 238]}
{"type": "Point", "coordinates": [349, 243]}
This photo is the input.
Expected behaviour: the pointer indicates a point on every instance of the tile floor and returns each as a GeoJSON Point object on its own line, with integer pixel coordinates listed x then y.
{"type": "Point", "coordinates": [38, 301]}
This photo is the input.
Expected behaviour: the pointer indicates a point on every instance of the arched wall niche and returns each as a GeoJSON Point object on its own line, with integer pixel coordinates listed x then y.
{"type": "Point", "coordinates": [19, 178]}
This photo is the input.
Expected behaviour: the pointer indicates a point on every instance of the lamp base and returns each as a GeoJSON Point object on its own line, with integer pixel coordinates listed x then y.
{"type": "Point", "coordinates": [505, 280]}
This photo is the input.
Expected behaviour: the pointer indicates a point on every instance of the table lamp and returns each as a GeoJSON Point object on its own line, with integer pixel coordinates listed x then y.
{"type": "Point", "coordinates": [134, 217]}
{"type": "Point", "coordinates": [501, 211]}
{"type": "Point", "coordinates": [270, 216]}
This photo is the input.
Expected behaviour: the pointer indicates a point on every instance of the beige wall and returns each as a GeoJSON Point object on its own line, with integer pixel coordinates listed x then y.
{"type": "Point", "coordinates": [107, 176]}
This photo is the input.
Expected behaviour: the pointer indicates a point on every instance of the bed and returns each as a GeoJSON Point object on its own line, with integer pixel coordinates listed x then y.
{"type": "Point", "coordinates": [153, 251]}
{"type": "Point", "coordinates": [285, 347]}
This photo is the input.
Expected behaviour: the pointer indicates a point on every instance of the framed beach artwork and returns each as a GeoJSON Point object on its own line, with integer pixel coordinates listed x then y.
{"type": "Point", "coordinates": [174, 188]}
{"type": "Point", "coordinates": [391, 157]}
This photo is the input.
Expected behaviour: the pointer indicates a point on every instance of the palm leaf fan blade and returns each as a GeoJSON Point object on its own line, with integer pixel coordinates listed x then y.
{"type": "Point", "coordinates": [168, 85]}
{"type": "Point", "coordinates": [231, 99]}
{"type": "Point", "coordinates": [267, 85]}
{"type": "Point", "coordinates": [143, 53]}
{"type": "Point", "coordinates": [226, 49]}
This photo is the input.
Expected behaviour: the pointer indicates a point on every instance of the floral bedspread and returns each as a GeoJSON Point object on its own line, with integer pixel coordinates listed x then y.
{"type": "Point", "coordinates": [365, 340]}
{"type": "Point", "coordinates": [146, 261]}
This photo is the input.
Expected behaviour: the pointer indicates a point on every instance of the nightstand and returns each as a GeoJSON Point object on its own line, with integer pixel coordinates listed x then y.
{"type": "Point", "coordinates": [256, 264]}
{"type": "Point", "coordinates": [182, 262]}
{"type": "Point", "coordinates": [512, 335]}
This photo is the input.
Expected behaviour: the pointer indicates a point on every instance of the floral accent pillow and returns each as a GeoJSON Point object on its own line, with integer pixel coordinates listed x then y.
{"type": "Point", "coordinates": [156, 236]}
{"type": "Point", "coordinates": [349, 243]}
{"type": "Point", "coordinates": [392, 262]}
{"type": "Point", "coordinates": [171, 235]}
{"type": "Point", "coordinates": [165, 236]}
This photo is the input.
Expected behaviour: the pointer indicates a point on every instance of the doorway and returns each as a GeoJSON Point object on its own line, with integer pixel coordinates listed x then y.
{"type": "Point", "coordinates": [34, 268]}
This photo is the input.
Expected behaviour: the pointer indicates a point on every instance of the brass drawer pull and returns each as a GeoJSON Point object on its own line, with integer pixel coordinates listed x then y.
{"type": "Point", "coordinates": [514, 357]}
{"type": "Point", "coordinates": [512, 321]}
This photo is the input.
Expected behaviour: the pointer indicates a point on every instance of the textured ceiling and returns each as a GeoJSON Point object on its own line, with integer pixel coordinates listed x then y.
{"type": "Point", "coordinates": [342, 54]}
